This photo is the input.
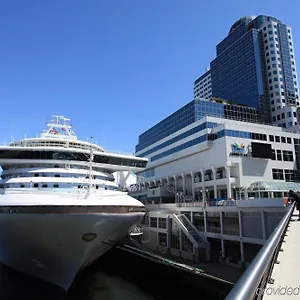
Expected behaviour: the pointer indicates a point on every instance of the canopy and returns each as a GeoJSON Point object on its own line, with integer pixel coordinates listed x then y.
{"type": "Point", "coordinates": [272, 186]}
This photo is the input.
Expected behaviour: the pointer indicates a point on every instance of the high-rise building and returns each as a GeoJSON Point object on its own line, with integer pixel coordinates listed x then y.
{"type": "Point", "coordinates": [202, 86]}
{"type": "Point", "coordinates": [255, 66]}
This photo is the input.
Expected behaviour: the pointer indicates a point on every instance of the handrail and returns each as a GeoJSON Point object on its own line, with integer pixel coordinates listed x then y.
{"type": "Point", "coordinates": [247, 285]}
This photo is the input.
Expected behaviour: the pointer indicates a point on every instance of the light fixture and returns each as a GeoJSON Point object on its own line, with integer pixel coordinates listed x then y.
{"type": "Point", "coordinates": [88, 237]}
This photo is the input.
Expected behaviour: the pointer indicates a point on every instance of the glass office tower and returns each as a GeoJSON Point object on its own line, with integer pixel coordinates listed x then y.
{"type": "Point", "coordinates": [255, 66]}
{"type": "Point", "coordinates": [190, 113]}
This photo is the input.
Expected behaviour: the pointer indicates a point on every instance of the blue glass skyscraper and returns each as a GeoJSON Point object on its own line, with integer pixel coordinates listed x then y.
{"type": "Point", "coordinates": [255, 66]}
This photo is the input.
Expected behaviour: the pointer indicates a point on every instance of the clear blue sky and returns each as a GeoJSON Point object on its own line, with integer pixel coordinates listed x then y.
{"type": "Point", "coordinates": [116, 67]}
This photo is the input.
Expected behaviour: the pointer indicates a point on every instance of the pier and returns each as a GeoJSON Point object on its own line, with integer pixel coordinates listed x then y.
{"type": "Point", "coordinates": [187, 280]}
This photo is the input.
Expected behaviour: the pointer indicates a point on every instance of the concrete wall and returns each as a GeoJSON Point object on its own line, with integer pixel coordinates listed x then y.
{"type": "Point", "coordinates": [271, 221]}
{"type": "Point", "coordinates": [252, 225]}
{"type": "Point", "coordinates": [194, 162]}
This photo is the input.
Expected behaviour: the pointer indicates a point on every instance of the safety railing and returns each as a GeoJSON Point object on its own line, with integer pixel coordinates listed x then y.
{"type": "Point", "coordinates": [202, 203]}
{"type": "Point", "coordinates": [259, 271]}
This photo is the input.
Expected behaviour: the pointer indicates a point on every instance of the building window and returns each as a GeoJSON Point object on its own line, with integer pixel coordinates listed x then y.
{"type": "Point", "coordinates": [271, 138]}
{"type": "Point", "coordinates": [277, 139]}
{"type": "Point", "coordinates": [282, 139]}
{"type": "Point", "coordinates": [273, 154]}
{"type": "Point", "coordinates": [153, 222]}
{"type": "Point", "coordinates": [162, 223]}
{"type": "Point", "coordinates": [279, 154]}
{"type": "Point", "coordinates": [277, 174]}
{"type": "Point", "coordinates": [289, 175]}
{"type": "Point", "coordinates": [287, 155]}
{"type": "Point", "coordinates": [288, 140]}
{"type": "Point", "coordinates": [162, 239]}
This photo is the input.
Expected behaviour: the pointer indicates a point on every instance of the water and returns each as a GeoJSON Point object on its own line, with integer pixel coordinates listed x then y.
{"type": "Point", "coordinates": [93, 284]}
{"type": "Point", "coordinates": [115, 276]}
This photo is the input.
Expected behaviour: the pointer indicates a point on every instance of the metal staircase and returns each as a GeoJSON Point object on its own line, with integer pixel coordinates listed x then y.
{"type": "Point", "coordinates": [189, 229]}
{"type": "Point", "coordinates": [198, 240]}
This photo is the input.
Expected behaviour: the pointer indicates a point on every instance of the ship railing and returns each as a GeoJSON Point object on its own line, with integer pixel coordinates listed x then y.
{"type": "Point", "coordinates": [120, 152]}
{"type": "Point", "coordinates": [258, 274]}
{"type": "Point", "coordinates": [61, 191]}
{"type": "Point", "coordinates": [202, 203]}
{"type": "Point", "coordinates": [65, 144]}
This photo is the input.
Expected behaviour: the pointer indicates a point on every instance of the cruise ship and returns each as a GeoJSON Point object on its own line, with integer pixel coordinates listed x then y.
{"type": "Point", "coordinates": [60, 206]}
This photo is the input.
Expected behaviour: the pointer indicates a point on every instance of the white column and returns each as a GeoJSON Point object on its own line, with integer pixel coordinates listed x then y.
{"type": "Point", "coordinates": [223, 247]}
{"type": "Point", "coordinates": [183, 183]}
{"type": "Point", "coordinates": [203, 186]}
{"type": "Point", "coordinates": [175, 183]}
{"type": "Point", "coordinates": [242, 251]}
{"type": "Point", "coordinates": [240, 224]}
{"type": "Point", "coordinates": [215, 183]}
{"type": "Point", "coordinates": [221, 222]}
{"type": "Point", "coordinates": [228, 182]}
{"type": "Point", "coordinates": [205, 220]}
{"type": "Point", "coordinates": [193, 184]}
{"type": "Point", "coordinates": [263, 225]}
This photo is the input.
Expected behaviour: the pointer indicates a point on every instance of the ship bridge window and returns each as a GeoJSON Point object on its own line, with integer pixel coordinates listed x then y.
{"type": "Point", "coordinates": [36, 185]}
{"type": "Point", "coordinates": [57, 175]}
{"type": "Point", "coordinates": [36, 175]}
{"type": "Point", "coordinates": [22, 185]}
{"type": "Point", "coordinates": [60, 155]}
{"type": "Point", "coordinates": [55, 185]}
{"type": "Point", "coordinates": [45, 185]}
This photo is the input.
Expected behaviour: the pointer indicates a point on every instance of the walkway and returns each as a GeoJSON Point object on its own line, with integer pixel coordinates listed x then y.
{"type": "Point", "coordinates": [286, 274]}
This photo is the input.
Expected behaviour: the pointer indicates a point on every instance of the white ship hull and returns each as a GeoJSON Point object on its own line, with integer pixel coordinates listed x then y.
{"type": "Point", "coordinates": [50, 246]}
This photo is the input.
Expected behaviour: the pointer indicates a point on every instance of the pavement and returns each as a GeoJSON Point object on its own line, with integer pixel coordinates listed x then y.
{"type": "Point", "coordinates": [286, 274]}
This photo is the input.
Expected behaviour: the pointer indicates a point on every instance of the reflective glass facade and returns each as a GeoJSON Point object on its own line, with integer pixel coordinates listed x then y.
{"type": "Point", "coordinates": [190, 113]}
{"type": "Point", "coordinates": [202, 77]}
{"type": "Point", "coordinates": [236, 71]}
{"type": "Point", "coordinates": [179, 137]}
{"type": "Point", "coordinates": [286, 58]}
{"type": "Point", "coordinates": [201, 139]}
{"type": "Point", "coordinates": [176, 121]}
{"type": "Point", "coordinates": [255, 66]}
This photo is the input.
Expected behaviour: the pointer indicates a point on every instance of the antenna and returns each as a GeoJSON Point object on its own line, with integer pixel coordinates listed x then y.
{"type": "Point", "coordinates": [91, 167]}
{"type": "Point", "coordinates": [12, 131]}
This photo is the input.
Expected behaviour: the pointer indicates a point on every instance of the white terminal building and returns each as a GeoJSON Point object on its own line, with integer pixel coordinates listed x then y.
{"type": "Point", "coordinates": [215, 181]}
